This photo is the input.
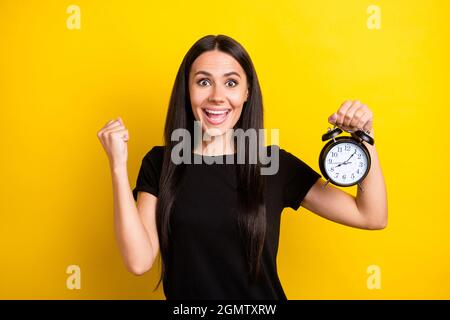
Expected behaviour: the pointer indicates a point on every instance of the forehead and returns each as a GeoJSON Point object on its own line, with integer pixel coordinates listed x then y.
{"type": "Point", "coordinates": [216, 61]}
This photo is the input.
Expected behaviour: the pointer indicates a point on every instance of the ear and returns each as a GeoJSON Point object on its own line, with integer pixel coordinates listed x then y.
{"type": "Point", "coordinates": [246, 95]}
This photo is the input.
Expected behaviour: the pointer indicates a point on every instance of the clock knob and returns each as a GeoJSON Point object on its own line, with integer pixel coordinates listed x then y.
{"type": "Point", "coordinates": [364, 136]}
{"type": "Point", "coordinates": [331, 134]}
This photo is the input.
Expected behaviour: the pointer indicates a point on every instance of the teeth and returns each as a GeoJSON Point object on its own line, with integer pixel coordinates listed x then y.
{"type": "Point", "coordinates": [216, 112]}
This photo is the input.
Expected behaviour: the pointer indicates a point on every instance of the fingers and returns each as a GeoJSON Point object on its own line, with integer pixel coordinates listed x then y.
{"type": "Point", "coordinates": [125, 136]}
{"type": "Point", "coordinates": [348, 117]}
{"type": "Point", "coordinates": [113, 125]}
{"type": "Point", "coordinates": [356, 121]}
{"type": "Point", "coordinates": [114, 130]}
{"type": "Point", "coordinates": [116, 127]}
{"type": "Point", "coordinates": [341, 112]}
{"type": "Point", "coordinates": [110, 125]}
{"type": "Point", "coordinates": [369, 125]}
{"type": "Point", "coordinates": [361, 121]}
{"type": "Point", "coordinates": [122, 132]}
{"type": "Point", "coordinates": [352, 115]}
{"type": "Point", "coordinates": [366, 120]}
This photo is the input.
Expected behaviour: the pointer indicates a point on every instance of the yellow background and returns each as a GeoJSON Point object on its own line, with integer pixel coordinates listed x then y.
{"type": "Point", "coordinates": [58, 87]}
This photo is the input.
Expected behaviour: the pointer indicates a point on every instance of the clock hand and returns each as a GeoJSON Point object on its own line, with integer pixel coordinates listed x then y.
{"type": "Point", "coordinates": [346, 161]}
{"type": "Point", "coordinates": [340, 164]}
{"type": "Point", "coordinates": [350, 156]}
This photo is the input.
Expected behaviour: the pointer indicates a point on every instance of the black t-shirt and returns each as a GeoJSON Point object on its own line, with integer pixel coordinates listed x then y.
{"type": "Point", "coordinates": [207, 257]}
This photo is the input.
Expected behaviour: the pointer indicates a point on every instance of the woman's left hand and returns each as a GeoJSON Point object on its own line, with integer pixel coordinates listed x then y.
{"type": "Point", "coordinates": [352, 116]}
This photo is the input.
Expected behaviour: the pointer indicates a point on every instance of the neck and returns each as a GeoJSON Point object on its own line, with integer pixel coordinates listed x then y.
{"type": "Point", "coordinates": [218, 145]}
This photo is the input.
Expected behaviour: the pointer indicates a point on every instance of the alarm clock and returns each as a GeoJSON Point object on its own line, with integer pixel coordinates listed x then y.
{"type": "Point", "coordinates": [345, 161]}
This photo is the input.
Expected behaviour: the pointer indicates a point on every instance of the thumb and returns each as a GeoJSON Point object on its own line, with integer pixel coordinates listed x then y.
{"type": "Point", "coordinates": [120, 120]}
{"type": "Point", "coordinates": [332, 119]}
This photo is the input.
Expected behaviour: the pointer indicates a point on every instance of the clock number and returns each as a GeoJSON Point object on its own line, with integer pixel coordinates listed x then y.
{"type": "Point", "coordinates": [353, 176]}
{"type": "Point", "coordinates": [344, 176]}
{"type": "Point", "coordinates": [334, 154]}
{"type": "Point", "coordinates": [339, 149]}
{"type": "Point", "coordinates": [361, 164]}
{"type": "Point", "coordinates": [347, 148]}
{"type": "Point", "coordinates": [329, 161]}
{"type": "Point", "coordinates": [359, 155]}
{"type": "Point", "coordinates": [337, 175]}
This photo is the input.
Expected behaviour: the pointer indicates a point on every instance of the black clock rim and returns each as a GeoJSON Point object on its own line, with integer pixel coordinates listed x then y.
{"type": "Point", "coordinates": [330, 144]}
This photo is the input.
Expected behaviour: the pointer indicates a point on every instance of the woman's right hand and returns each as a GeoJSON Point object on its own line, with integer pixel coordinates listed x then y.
{"type": "Point", "coordinates": [114, 137]}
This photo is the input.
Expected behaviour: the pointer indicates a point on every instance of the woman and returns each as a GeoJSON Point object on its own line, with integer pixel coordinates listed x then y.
{"type": "Point", "coordinates": [217, 225]}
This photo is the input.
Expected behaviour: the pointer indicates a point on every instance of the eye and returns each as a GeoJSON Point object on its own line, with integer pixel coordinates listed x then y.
{"type": "Point", "coordinates": [232, 81]}
{"type": "Point", "coordinates": [200, 82]}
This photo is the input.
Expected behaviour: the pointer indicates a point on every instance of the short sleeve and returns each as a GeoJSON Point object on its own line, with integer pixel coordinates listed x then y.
{"type": "Point", "coordinates": [298, 178]}
{"type": "Point", "coordinates": [149, 172]}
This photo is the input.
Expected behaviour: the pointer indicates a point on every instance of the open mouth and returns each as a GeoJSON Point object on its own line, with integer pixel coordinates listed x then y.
{"type": "Point", "coordinates": [216, 116]}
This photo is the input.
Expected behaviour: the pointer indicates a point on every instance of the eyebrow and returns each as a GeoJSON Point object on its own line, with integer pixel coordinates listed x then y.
{"type": "Point", "coordinates": [209, 74]}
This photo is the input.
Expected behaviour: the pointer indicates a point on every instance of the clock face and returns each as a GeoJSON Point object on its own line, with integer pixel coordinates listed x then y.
{"type": "Point", "coordinates": [346, 163]}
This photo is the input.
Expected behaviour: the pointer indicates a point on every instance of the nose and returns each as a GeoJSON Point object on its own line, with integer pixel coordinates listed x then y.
{"type": "Point", "coordinates": [216, 96]}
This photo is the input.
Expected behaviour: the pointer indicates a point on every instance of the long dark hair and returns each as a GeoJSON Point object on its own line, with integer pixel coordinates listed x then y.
{"type": "Point", "coordinates": [251, 184]}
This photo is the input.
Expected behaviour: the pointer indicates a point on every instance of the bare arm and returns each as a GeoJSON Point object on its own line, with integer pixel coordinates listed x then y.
{"type": "Point", "coordinates": [135, 228]}
{"type": "Point", "coordinates": [372, 203]}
